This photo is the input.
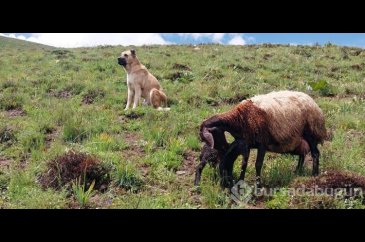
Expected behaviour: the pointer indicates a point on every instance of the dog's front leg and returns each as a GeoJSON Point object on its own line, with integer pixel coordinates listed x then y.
{"type": "Point", "coordinates": [137, 95]}
{"type": "Point", "coordinates": [130, 98]}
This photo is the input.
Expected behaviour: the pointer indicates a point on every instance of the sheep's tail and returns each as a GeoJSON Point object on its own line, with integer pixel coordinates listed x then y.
{"type": "Point", "coordinates": [317, 126]}
{"type": "Point", "coordinates": [158, 99]}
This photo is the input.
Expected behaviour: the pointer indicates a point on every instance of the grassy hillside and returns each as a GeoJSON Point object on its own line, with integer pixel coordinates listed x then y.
{"type": "Point", "coordinates": [63, 104]}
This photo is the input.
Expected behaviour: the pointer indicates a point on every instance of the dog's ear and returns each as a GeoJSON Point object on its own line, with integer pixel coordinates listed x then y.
{"type": "Point", "coordinates": [133, 52]}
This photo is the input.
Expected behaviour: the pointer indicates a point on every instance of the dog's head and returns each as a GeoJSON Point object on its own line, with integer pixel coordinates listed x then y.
{"type": "Point", "coordinates": [126, 57]}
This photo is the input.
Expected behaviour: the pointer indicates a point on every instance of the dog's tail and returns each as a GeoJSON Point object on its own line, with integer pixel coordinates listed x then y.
{"type": "Point", "coordinates": [158, 98]}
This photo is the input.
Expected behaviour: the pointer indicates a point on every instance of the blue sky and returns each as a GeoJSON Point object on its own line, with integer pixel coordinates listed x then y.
{"type": "Point", "coordinates": [137, 39]}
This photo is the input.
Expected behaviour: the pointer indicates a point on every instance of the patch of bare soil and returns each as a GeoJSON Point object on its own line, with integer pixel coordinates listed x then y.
{"type": "Point", "coordinates": [61, 94]}
{"type": "Point", "coordinates": [189, 163]}
{"type": "Point", "coordinates": [132, 115]}
{"type": "Point", "coordinates": [23, 160]}
{"type": "Point", "coordinates": [135, 147]}
{"type": "Point", "coordinates": [51, 136]}
{"type": "Point", "coordinates": [5, 162]}
{"type": "Point", "coordinates": [182, 67]}
{"type": "Point", "coordinates": [329, 187]}
{"type": "Point", "coordinates": [145, 169]}
{"type": "Point", "coordinates": [333, 179]}
{"type": "Point", "coordinates": [122, 119]}
{"type": "Point", "coordinates": [357, 67]}
{"type": "Point", "coordinates": [185, 175]}
{"type": "Point", "coordinates": [15, 112]}
{"type": "Point", "coordinates": [91, 96]}
{"type": "Point", "coordinates": [351, 134]}
{"type": "Point", "coordinates": [176, 75]}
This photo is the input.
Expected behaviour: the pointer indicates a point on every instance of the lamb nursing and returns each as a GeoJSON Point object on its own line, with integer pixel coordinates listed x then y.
{"type": "Point", "coordinates": [281, 122]}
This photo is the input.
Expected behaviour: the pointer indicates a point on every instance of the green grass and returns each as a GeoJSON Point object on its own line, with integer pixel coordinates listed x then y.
{"type": "Point", "coordinates": [127, 176]}
{"type": "Point", "coordinates": [75, 98]}
{"type": "Point", "coordinates": [81, 194]}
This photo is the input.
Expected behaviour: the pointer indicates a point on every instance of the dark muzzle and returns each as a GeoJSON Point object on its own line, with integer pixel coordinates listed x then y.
{"type": "Point", "coordinates": [122, 61]}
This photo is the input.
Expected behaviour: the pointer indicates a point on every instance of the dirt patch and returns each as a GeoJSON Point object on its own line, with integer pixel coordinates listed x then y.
{"type": "Point", "coordinates": [145, 169]}
{"type": "Point", "coordinates": [88, 99]}
{"type": "Point", "coordinates": [334, 68]}
{"type": "Point", "coordinates": [60, 94]}
{"type": "Point", "coordinates": [357, 67]}
{"type": "Point", "coordinates": [131, 138]}
{"type": "Point", "coordinates": [122, 119]}
{"type": "Point", "coordinates": [24, 160]}
{"type": "Point", "coordinates": [333, 179]}
{"type": "Point", "coordinates": [51, 135]}
{"type": "Point", "coordinates": [353, 134]}
{"type": "Point", "coordinates": [5, 162]}
{"type": "Point", "coordinates": [92, 95]}
{"type": "Point", "coordinates": [189, 163]}
{"type": "Point", "coordinates": [133, 115]}
{"type": "Point", "coordinates": [176, 76]}
{"type": "Point", "coordinates": [328, 188]}
{"type": "Point", "coordinates": [98, 201]}
{"type": "Point", "coordinates": [63, 170]}
{"type": "Point", "coordinates": [181, 67]}
{"type": "Point", "coordinates": [15, 112]}
{"type": "Point", "coordinates": [267, 56]}
{"type": "Point", "coordinates": [135, 146]}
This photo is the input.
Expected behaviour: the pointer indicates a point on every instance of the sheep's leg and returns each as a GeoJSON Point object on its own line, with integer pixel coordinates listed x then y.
{"type": "Point", "coordinates": [246, 154]}
{"type": "Point", "coordinates": [226, 166]}
{"type": "Point", "coordinates": [299, 168]}
{"type": "Point", "coordinates": [315, 154]}
{"type": "Point", "coordinates": [198, 172]}
{"type": "Point", "coordinates": [228, 179]}
{"type": "Point", "coordinates": [258, 165]}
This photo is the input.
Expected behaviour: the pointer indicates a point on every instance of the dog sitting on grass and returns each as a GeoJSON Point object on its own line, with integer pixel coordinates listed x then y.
{"type": "Point", "coordinates": [141, 83]}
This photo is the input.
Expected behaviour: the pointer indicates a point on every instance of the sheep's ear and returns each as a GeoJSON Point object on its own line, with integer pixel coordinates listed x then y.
{"type": "Point", "coordinates": [208, 137]}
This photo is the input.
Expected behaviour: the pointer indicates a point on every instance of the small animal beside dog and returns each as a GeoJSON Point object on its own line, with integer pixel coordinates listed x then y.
{"type": "Point", "coordinates": [141, 83]}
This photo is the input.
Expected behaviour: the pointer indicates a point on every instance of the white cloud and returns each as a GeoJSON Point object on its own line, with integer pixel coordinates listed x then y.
{"type": "Point", "coordinates": [22, 37]}
{"type": "Point", "coordinates": [237, 40]}
{"type": "Point", "coordinates": [216, 37]}
{"type": "Point", "coordinates": [92, 39]}
{"type": "Point", "coordinates": [70, 40]}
